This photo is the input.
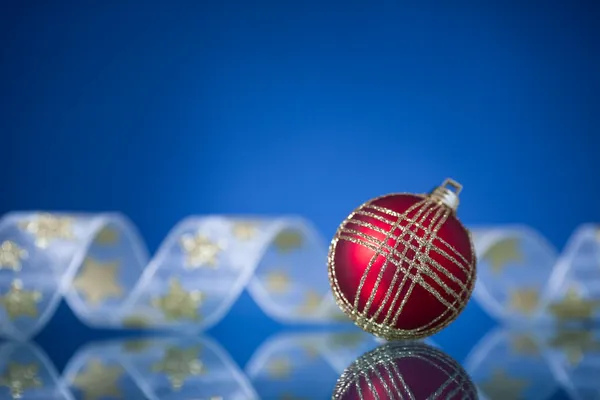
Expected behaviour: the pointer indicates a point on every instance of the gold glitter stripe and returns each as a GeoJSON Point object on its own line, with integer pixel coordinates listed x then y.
{"type": "Point", "coordinates": [400, 265]}
{"type": "Point", "coordinates": [417, 238]}
{"type": "Point", "coordinates": [361, 240]}
{"type": "Point", "coordinates": [396, 276]}
{"type": "Point", "coordinates": [378, 250]}
{"type": "Point", "coordinates": [374, 241]}
{"type": "Point", "coordinates": [420, 265]}
{"type": "Point", "coordinates": [381, 245]}
{"type": "Point", "coordinates": [424, 284]}
{"type": "Point", "coordinates": [393, 213]}
{"type": "Point", "coordinates": [461, 301]}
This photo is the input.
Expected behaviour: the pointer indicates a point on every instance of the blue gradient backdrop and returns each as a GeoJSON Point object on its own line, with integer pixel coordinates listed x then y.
{"type": "Point", "coordinates": [165, 109]}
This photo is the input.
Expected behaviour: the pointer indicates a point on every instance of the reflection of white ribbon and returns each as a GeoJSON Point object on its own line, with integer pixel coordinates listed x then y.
{"type": "Point", "coordinates": [533, 364]}
{"type": "Point", "coordinates": [26, 370]}
{"type": "Point", "coordinates": [101, 267]}
{"type": "Point", "coordinates": [182, 368]}
{"type": "Point", "coordinates": [522, 279]}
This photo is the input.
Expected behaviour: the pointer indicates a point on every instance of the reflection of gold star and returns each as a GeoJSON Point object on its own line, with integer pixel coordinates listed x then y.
{"type": "Point", "coordinates": [525, 301]}
{"type": "Point", "coordinates": [11, 255]}
{"type": "Point", "coordinates": [279, 368]}
{"type": "Point", "coordinates": [99, 381]}
{"type": "Point", "coordinates": [47, 227]}
{"type": "Point", "coordinates": [573, 307]}
{"type": "Point", "coordinates": [98, 281]}
{"type": "Point", "coordinates": [503, 252]}
{"type": "Point", "coordinates": [136, 322]}
{"type": "Point", "coordinates": [311, 304]}
{"type": "Point", "coordinates": [180, 364]}
{"type": "Point", "coordinates": [598, 233]}
{"type": "Point", "coordinates": [178, 303]}
{"type": "Point", "coordinates": [277, 282]}
{"type": "Point", "coordinates": [575, 344]}
{"type": "Point", "coordinates": [244, 230]}
{"type": "Point", "coordinates": [524, 344]}
{"type": "Point", "coordinates": [288, 240]}
{"type": "Point", "coordinates": [346, 340]}
{"type": "Point", "coordinates": [311, 349]}
{"type": "Point", "coordinates": [107, 236]}
{"type": "Point", "coordinates": [335, 314]}
{"type": "Point", "coordinates": [503, 387]}
{"type": "Point", "coordinates": [136, 346]}
{"type": "Point", "coordinates": [19, 302]}
{"type": "Point", "coordinates": [18, 378]}
{"type": "Point", "coordinates": [199, 251]}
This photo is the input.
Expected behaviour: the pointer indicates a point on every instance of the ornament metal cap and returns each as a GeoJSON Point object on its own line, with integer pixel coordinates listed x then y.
{"type": "Point", "coordinates": [447, 193]}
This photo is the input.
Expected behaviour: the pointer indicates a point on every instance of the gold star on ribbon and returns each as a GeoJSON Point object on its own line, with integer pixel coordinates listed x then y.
{"type": "Point", "coordinates": [503, 387]}
{"type": "Point", "coordinates": [19, 378]}
{"type": "Point", "coordinates": [179, 303]}
{"type": "Point", "coordinates": [575, 344]}
{"type": "Point", "coordinates": [47, 227]}
{"type": "Point", "coordinates": [525, 344]}
{"type": "Point", "coordinates": [107, 236]}
{"type": "Point", "coordinates": [288, 240]}
{"type": "Point", "coordinates": [20, 303]}
{"type": "Point", "coordinates": [245, 230]}
{"type": "Point", "coordinates": [179, 365]}
{"type": "Point", "coordinates": [502, 253]}
{"type": "Point", "coordinates": [11, 255]}
{"type": "Point", "coordinates": [99, 381]}
{"type": "Point", "coordinates": [525, 301]}
{"type": "Point", "coordinates": [574, 307]}
{"type": "Point", "coordinates": [311, 303]}
{"type": "Point", "coordinates": [97, 281]}
{"type": "Point", "coordinates": [277, 282]}
{"type": "Point", "coordinates": [200, 251]}
{"type": "Point", "coordinates": [279, 368]}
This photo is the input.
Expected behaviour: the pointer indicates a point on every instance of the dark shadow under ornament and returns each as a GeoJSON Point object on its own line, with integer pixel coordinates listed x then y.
{"type": "Point", "coordinates": [405, 370]}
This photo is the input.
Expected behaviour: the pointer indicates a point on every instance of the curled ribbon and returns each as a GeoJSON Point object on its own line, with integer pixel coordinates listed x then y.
{"type": "Point", "coordinates": [101, 267]}
{"type": "Point", "coordinates": [523, 279]}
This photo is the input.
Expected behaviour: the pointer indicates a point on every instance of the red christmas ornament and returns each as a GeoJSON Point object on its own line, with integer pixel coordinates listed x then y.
{"type": "Point", "coordinates": [402, 265]}
{"type": "Point", "coordinates": [405, 371]}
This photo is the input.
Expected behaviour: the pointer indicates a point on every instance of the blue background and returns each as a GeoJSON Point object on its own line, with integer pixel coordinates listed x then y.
{"type": "Point", "coordinates": [165, 109]}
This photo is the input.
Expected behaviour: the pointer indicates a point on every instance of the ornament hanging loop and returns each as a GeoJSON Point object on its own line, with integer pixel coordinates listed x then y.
{"type": "Point", "coordinates": [447, 193]}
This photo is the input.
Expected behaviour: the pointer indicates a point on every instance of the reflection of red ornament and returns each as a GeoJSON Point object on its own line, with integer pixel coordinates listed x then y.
{"type": "Point", "coordinates": [405, 371]}
{"type": "Point", "coordinates": [402, 265]}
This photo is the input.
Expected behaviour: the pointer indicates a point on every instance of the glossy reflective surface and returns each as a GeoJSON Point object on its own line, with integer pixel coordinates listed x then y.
{"type": "Point", "coordinates": [547, 364]}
